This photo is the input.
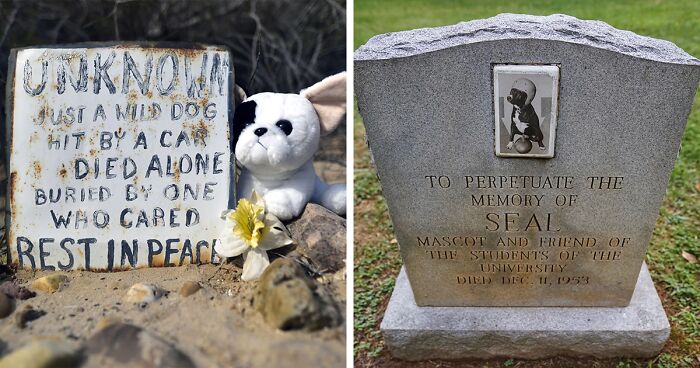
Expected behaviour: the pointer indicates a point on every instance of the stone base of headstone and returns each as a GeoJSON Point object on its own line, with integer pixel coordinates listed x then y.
{"type": "Point", "coordinates": [421, 333]}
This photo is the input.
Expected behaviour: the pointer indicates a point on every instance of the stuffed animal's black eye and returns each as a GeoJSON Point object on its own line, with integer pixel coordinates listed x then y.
{"type": "Point", "coordinates": [285, 125]}
{"type": "Point", "coordinates": [249, 122]}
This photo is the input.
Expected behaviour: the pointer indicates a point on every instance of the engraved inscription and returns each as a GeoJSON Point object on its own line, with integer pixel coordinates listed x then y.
{"type": "Point", "coordinates": [522, 241]}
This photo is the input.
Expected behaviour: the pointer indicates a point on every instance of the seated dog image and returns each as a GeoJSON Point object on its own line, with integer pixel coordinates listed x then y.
{"type": "Point", "coordinates": [275, 136]}
{"type": "Point", "coordinates": [524, 119]}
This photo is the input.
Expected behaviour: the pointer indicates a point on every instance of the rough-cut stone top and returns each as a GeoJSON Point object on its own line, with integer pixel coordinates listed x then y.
{"type": "Point", "coordinates": [556, 27]}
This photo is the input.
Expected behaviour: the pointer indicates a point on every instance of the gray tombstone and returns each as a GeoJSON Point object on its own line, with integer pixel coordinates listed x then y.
{"type": "Point", "coordinates": [523, 160]}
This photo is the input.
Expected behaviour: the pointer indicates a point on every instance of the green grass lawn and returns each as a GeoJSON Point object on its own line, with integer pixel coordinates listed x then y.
{"type": "Point", "coordinates": [377, 261]}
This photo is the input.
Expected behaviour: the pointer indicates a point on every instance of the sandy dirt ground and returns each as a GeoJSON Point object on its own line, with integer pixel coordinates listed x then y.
{"type": "Point", "coordinates": [216, 327]}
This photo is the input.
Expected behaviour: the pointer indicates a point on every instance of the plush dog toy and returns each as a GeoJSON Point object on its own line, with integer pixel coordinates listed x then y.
{"type": "Point", "coordinates": [524, 120]}
{"type": "Point", "coordinates": [275, 136]}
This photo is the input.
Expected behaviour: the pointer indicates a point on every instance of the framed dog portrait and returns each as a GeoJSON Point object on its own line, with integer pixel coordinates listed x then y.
{"type": "Point", "coordinates": [525, 106]}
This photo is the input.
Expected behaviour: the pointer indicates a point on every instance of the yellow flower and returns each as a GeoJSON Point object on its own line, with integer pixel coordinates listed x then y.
{"type": "Point", "coordinates": [251, 232]}
{"type": "Point", "coordinates": [249, 222]}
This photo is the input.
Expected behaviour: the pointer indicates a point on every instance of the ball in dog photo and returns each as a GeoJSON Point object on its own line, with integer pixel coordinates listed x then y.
{"type": "Point", "coordinates": [523, 145]}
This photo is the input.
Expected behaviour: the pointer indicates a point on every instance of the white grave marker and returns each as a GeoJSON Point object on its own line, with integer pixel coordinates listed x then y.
{"type": "Point", "coordinates": [119, 155]}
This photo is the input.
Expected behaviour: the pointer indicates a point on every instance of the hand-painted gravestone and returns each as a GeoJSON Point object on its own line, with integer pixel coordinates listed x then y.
{"type": "Point", "coordinates": [119, 155]}
{"type": "Point", "coordinates": [537, 151]}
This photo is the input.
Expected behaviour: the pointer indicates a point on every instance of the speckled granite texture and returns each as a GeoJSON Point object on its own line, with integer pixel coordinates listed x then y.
{"type": "Point", "coordinates": [426, 99]}
{"type": "Point", "coordinates": [421, 333]}
{"type": "Point", "coordinates": [556, 27]}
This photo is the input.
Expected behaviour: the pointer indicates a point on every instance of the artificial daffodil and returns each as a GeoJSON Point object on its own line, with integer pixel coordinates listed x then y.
{"type": "Point", "coordinates": [251, 232]}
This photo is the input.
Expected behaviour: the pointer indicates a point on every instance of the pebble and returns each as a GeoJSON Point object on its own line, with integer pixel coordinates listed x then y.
{"type": "Point", "coordinates": [42, 354]}
{"type": "Point", "coordinates": [7, 305]}
{"type": "Point", "coordinates": [189, 288]}
{"type": "Point", "coordinates": [107, 321]}
{"type": "Point", "coordinates": [320, 236]}
{"type": "Point", "coordinates": [143, 293]}
{"type": "Point", "coordinates": [290, 300]}
{"type": "Point", "coordinates": [50, 283]}
{"type": "Point", "coordinates": [27, 314]}
{"type": "Point", "coordinates": [130, 345]}
{"type": "Point", "coordinates": [10, 288]}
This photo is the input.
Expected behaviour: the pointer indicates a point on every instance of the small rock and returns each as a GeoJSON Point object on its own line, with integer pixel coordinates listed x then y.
{"type": "Point", "coordinates": [320, 236]}
{"type": "Point", "coordinates": [27, 314]}
{"type": "Point", "coordinates": [43, 354]}
{"type": "Point", "coordinates": [7, 305]}
{"type": "Point", "coordinates": [189, 288]}
{"type": "Point", "coordinates": [143, 293]}
{"type": "Point", "coordinates": [107, 321]}
{"type": "Point", "coordinates": [50, 283]}
{"type": "Point", "coordinates": [288, 299]}
{"type": "Point", "coordinates": [130, 345]}
{"type": "Point", "coordinates": [10, 288]}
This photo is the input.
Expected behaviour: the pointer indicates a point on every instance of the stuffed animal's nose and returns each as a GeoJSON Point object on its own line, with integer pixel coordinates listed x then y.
{"type": "Point", "coordinates": [260, 131]}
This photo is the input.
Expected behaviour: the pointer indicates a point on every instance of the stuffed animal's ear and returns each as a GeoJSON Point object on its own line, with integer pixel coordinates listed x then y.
{"type": "Point", "coordinates": [328, 98]}
{"type": "Point", "coordinates": [238, 95]}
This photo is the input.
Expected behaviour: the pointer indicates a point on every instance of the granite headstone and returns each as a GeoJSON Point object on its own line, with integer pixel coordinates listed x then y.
{"type": "Point", "coordinates": [524, 160]}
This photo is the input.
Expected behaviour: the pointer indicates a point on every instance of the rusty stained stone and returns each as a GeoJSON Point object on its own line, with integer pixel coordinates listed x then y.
{"type": "Point", "coordinates": [63, 173]}
{"type": "Point", "coordinates": [135, 87]}
{"type": "Point", "coordinates": [13, 184]}
{"type": "Point", "coordinates": [37, 169]}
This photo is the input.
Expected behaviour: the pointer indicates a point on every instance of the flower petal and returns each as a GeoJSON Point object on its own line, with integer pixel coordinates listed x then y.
{"type": "Point", "coordinates": [275, 234]}
{"type": "Point", "coordinates": [248, 221]}
{"type": "Point", "coordinates": [230, 245]}
{"type": "Point", "coordinates": [225, 213]}
{"type": "Point", "coordinates": [256, 262]}
{"type": "Point", "coordinates": [257, 199]}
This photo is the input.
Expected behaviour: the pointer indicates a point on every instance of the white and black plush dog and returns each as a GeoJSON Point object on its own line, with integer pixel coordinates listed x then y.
{"type": "Point", "coordinates": [524, 120]}
{"type": "Point", "coordinates": [275, 136]}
